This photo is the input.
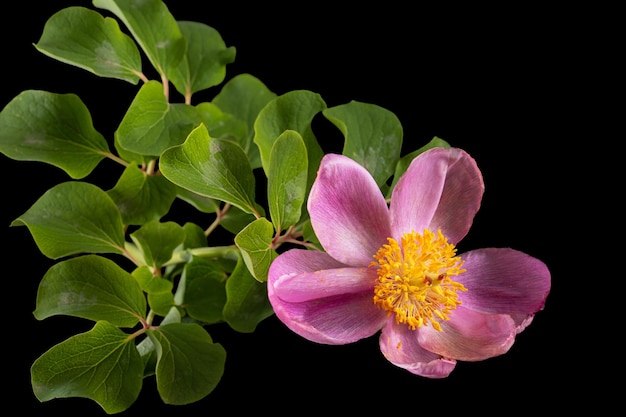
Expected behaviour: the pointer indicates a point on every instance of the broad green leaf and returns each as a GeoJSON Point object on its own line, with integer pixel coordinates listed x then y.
{"type": "Point", "coordinates": [247, 303]}
{"type": "Point", "coordinates": [153, 27]}
{"type": "Point", "coordinates": [286, 182]}
{"type": "Point", "coordinates": [74, 217]}
{"type": "Point", "coordinates": [255, 243]}
{"type": "Point", "coordinates": [373, 136]}
{"type": "Point", "coordinates": [244, 96]}
{"type": "Point", "coordinates": [199, 202]}
{"type": "Point", "coordinates": [141, 197]}
{"type": "Point", "coordinates": [291, 111]}
{"type": "Point", "coordinates": [201, 291]}
{"type": "Point", "coordinates": [152, 125]}
{"type": "Point", "coordinates": [189, 364]}
{"type": "Point", "coordinates": [405, 161]}
{"type": "Point", "coordinates": [235, 219]}
{"type": "Point", "coordinates": [215, 168]}
{"type": "Point", "coordinates": [82, 37]}
{"type": "Point", "coordinates": [222, 125]}
{"type": "Point", "coordinates": [204, 64]}
{"type": "Point", "coordinates": [131, 157]}
{"type": "Point", "coordinates": [102, 364]}
{"type": "Point", "coordinates": [52, 128]}
{"type": "Point", "coordinates": [158, 241]}
{"type": "Point", "coordinates": [90, 287]}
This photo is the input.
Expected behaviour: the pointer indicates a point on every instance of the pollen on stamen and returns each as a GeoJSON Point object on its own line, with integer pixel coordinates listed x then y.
{"type": "Point", "coordinates": [414, 280]}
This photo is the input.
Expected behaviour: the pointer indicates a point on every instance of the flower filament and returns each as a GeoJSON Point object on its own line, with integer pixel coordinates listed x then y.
{"type": "Point", "coordinates": [414, 279]}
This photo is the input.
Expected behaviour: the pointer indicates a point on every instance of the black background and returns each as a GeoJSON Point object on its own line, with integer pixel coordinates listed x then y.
{"type": "Point", "coordinates": [497, 83]}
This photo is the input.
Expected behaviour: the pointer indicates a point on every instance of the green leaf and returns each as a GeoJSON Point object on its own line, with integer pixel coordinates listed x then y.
{"type": "Point", "coordinates": [189, 364]}
{"type": "Point", "coordinates": [204, 64]}
{"type": "Point", "coordinates": [199, 202]}
{"type": "Point", "coordinates": [158, 241]}
{"type": "Point", "coordinates": [194, 236]}
{"type": "Point", "coordinates": [222, 125]}
{"type": "Point", "coordinates": [74, 217]}
{"type": "Point", "coordinates": [215, 168]}
{"type": "Point", "coordinates": [247, 303]}
{"type": "Point", "coordinates": [149, 282]}
{"type": "Point", "coordinates": [159, 290]}
{"type": "Point", "coordinates": [255, 242]}
{"type": "Point", "coordinates": [141, 197]}
{"type": "Point", "coordinates": [153, 27]}
{"type": "Point", "coordinates": [291, 111]}
{"type": "Point", "coordinates": [286, 183]}
{"type": "Point", "coordinates": [83, 38]}
{"type": "Point", "coordinates": [91, 287]}
{"type": "Point", "coordinates": [201, 291]}
{"type": "Point", "coordinates": [161, 302]}
{"type": "Point", "coordinates": [152, 125]}
{"type": "Point", "coordinates": [244, 96]}
{"type": "Point", "coordinates": [235, 219]}
{"type": "Point", "coordinates": [102, 365]}
{"type": "Point", "coordinates": [52, 128]}
{"type": "Point", "coordinates": [405, 161]}
{"type": "Point", "coordinates": [373, 136]}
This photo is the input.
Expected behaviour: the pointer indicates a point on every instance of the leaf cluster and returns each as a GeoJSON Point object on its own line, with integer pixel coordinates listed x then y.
{"type": "Point", "coordinates": [152, 319]}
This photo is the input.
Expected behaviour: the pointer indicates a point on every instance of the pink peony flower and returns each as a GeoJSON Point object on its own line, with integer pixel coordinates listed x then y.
{"type": "Point", "coordinates": [394, 268]}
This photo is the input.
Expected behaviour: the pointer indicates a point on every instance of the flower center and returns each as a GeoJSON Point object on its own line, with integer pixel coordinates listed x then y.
{"type": "Point", "coordinates": [414, 279]}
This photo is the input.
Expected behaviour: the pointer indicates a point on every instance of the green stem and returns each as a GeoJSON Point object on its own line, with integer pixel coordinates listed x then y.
{"type": "Point", "coordinates": [231, 252]}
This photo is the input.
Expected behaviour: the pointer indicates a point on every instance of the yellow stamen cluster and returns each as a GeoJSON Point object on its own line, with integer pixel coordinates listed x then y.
{"type": "Point", "coordinates": [414, 279]}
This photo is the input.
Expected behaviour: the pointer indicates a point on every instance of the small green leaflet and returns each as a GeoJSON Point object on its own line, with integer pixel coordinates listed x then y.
{"type": "Point", "coordinates": [255, 242]}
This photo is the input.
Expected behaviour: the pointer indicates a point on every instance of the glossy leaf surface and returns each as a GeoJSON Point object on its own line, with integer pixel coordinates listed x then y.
{"type": "Point", "coordinates": [82, 37]}
{"type": "Point", "coordinates": [215, 168]}
{"type": "Point", "coordinates": [189, 364]}
{"type": "Point", "coordinates": [204, 64]}
{"type": "Point", "coordinates": [91, 287]}
{"type": "Point", "coordinates": [141, 197]}
{"type": "Point", "coordinates": [152, 124]}
{"type": "Point", "coordinates": [102, 364]}
{"type": "Point", "coordinates": [154, 29]}
{"type": "Point", "coordinates": [255, 242]}
{"type": "Point", "coordinates": [52, 128]}
{"type": "Point", "coordinates": [286, 182]}
{"type": "Point", "coordinates": [247, 303]}
{"type": "Point", "coordinates": [373, 136]}
{"type": "Point", "coordinates": [74, 217]}
{"type": "Point", "coordinates": [244, 96]}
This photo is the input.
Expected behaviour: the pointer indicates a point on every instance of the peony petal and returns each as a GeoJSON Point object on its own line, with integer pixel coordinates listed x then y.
{"type": "Point", "coordinates": [298, 261]}
{"type": "Point", "coordinates": [348, 211]}
{"type": "Point", "coordinates": [301, 275]}
{"type": "Point", "coordinates": [335, 320]}
{"type": "Point", "coordinates": [441, 189]}
{"type": "Point", "coordinates": [325, 283]}
{"type": "Point", "coordinates": [504, 281]}
{"type": "Point", "coordinates": [399, 345]}
{"type": "Point", "coordinates": [320, 306]}
{"type": "Point", "coordinates": [470, 335]}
